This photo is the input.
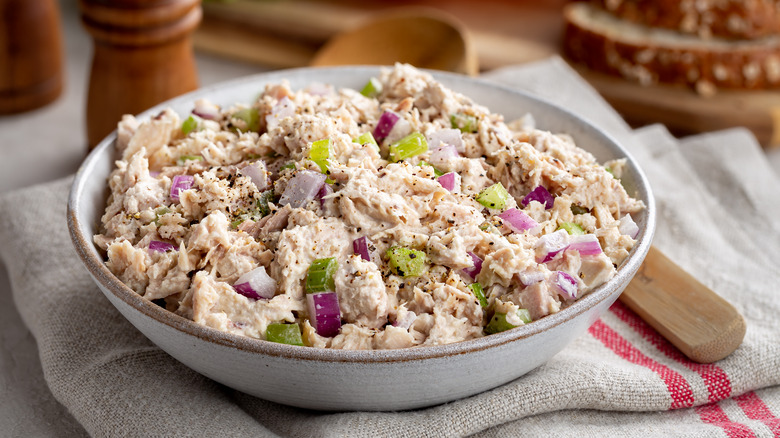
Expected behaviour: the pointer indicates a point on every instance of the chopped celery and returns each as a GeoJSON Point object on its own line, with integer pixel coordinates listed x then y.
{"type": "Point", "coordinates": [609, 171]}
{"type": "Point", "coordinates": [479, 293]}
{"type": "Point", "coordinates": [320, 275]}
{"type": "Point", "coordinates": [234, 224]}
{"type": "Point", "coordinates": [191, 123]}
{"type": "Point", "coordinates": [576, 209]}
{"type": "Point", "coordinates": [320, 152]}
{"type": "Point", "coordinates": [571, 228]}
{"type": "Point", "coordinates": [181, 161]}
{"type": "Point", "coordinates": [290, 165]}
{"type": "Point", "coordinates": [464, 122]}
{"type": "Point", "coordinates": [262, 203]}
{"type": "Point", "coordinates": [250, 117]}
{"type": "Point", "coordinates": [406, 262]}
{"type": "Point", "coordinates": [372, 89]}
{"type": "Point", "coordinates": [436, 171]}
{"type": "Point", "coordinates": [158, 213]}
{"type": "Point", "coordinates": [493, 197]}
{"type": "Point", "coordinates": [524, 315]}
{"type": "Point", "coordinates": [366, 138]}
{"type": "Point", "coordinates": [412, 145]}
{"type": "Point", "coordinates": [289, 334]}
{"type": "Point", "coordinates": [499, 323]}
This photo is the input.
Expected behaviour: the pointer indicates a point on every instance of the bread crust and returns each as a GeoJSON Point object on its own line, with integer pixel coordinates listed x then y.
{"type": "Point", "coordinates": [736, 19]}
{"type": "Point", "coordinates": [668, 57]}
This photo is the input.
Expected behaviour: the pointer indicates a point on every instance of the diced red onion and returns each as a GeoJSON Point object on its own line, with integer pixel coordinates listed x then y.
{"type": "Point", "coordinates": [541, 195]}
{"type": "Point", "coordinates": [179, 183]}
{"type": "Point", "coordinates": [257, 173]}
{"type": "Point", "coordinates": [448, 180]}
{"type": "Point", "coordinates": [517, 221]}
{"type": "Point", "coordinates": [476, 269]}
{"type": "Point", "coordinates": [586, 244]}
{"type": "Point", "coordinates": [566, 284]}
{"type": "Point", "coordinates": [256, 284]}
{"type": "Point", "coordinates": [158, 246]}
{"type": "Point", "coordinates": [551, 244]}
{"type": "Point", "coordinates": [206, 110]}
{"type": "Point", "coordinates": [302, 188]}
{"type": "Point", "coordinates": [628, 227]}
{"type": "Point", "coordinates": [406, 321]}
{"type": "Point", "coordinates": [324, 313]}
{"type": "Point", "coordinates": [387, 120]}
{"type": "Point", "coordinates": [361, 247]}
{"type": "Point", "coordinates": [154, 173]}
{"type": "Point", "coordinates": [442, 155]}
{"type": "Point", "coordinates": [530, 276]}
{"type": "Point", "coordinates": [319, 89]}
{"type": "Point", "coordinates": [325, 190]}
{"type": "Point", "coordinates": [401, 129]}
{"type": "Point", "coordinates": [284, 108]}
{"type": "Point", "coordinates": [448, 136]}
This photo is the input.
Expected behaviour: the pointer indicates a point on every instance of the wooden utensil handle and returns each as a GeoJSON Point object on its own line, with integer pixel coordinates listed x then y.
{"type": "Point", "coordinates": [704, 326]}
{"type": "Point", "coordinates": [143, 56]}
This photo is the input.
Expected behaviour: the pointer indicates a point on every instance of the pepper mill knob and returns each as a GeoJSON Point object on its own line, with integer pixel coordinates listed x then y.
{"type": "Point", "coordinates": [30, 54]}
{"type": "Point", "coordinates": [143, 55]}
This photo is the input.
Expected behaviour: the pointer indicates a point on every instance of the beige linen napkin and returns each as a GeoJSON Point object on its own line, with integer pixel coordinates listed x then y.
{"type": "Point", "coordinates": [717, 208]}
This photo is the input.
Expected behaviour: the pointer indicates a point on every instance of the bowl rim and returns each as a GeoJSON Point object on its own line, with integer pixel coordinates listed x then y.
{"type": "Point", "coordinates": [111, 284]}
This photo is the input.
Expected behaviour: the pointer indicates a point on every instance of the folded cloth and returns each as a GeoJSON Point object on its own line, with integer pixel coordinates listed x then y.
{"type": "Point", "coordinates": [717, 204]}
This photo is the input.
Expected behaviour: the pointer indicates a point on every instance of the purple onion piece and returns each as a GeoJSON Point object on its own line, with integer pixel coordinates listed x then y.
{"type": "Point", "coordinates": [406, 321]}
{"type": "Point", "coordinates": [206, 110]}
{"type": "Point", "coordinates": [552, 244]}
{"type": "Point", "coordinates": [302, 188]}
{"type": "Point", "coordinates": [324, 313]}
{"type": "Point", "coordinates": [387, 120]}
{"type": "Point", "coordinates": [517, 221]}
{"type": "Point", "coordinates": [539, 194]}
{"type": "Point", "coordinates": [442, 155]}
{"type": "Point", "coordinates": [179, 183]}
{"type": "Point", "coordinates": [284, 108]}
{"type": "Point", "coordinates": [566, 284]}
{"type": "Point", "coordinates": [447, 181]}
{"type": "Point", "coordinates": [476, 269]}
{"type": "Point", "coordinates": [324, 191]}
{"type": "Point", "coordinates": [628, 227]}
{"type": "Point", "coordinates": [530, 276]}
{"type": "Point", "coordinates": [586, 244]}
{"type": "Point", "coordinates": [256, 284]}
{"type": "Point", "coordinates": [361, 247]}
{"type": "Point", "coordinates": [257, 173]}
{"type": "Point", "coordinates": [159, 246]}
{"type": "Point", "coordinates": [448, 136]}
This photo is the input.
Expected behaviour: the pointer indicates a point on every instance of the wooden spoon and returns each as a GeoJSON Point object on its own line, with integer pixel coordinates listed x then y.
{"type": "Point", "coordinates": [696, 320]}
{"type": "Point", "coordinates": [423, 37]}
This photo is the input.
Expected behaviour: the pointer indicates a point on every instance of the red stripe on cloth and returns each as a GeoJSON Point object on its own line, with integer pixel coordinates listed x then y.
{"type": "Point", "coordinates": [679, 389]}
{"type": "Point", "coordinates": [716, 380]}
{"type": "Point", "coordinates": [713, 414]}
{"type": "Point", "coordinates": [755, 409]}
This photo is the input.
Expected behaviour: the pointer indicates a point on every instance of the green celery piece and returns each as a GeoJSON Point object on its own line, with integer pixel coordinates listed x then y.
{"type": "Point", "coordinates": [412, 145]}
{"type": "Point", "coordinates": [576, 209]}
{"type": "Point", "coordinates": [237, 222]}
{"type": "Point", "coordinates": [464, 122]}
{"type": "Point", "coordinates": [320, 152]}
{"type": "Point", "coordinates": [436, 171]}
{"type": "Point", "coordinates": [320, 275]}
{"type": "Point", "coordinates": [609, 171]}
{"type": "Point", "coordinates": [524, 315]}
{"type": "Point", "coordinates": [289, 334]}
{"type": "Point", "coordinates": [406, 262]}
{"type": "Point", "coordinates": [499, 323]}
{"type": "Point", "coordinates": [181, 161]}
{"type": "Point", "coordinates": [262, 203]}
{"type": "Point", "coordinates": [493, 197]}
{"type": "Point", "coordinates": [372, 89]}
{"type": "Point", "coordinates": [191, 123]}
{"type": "Point", "coordinates": [366, 138]}
{"type": "Point", "coordinates": [159, 212]}
{"type": "Point", "coordinates": [250, 116]}
{"type": "Point", "coordinates": [479, 293]}
{"type": "Point", "coordinates": [572, 228]}
{"type": "Point", "coordinates": [289, 165]}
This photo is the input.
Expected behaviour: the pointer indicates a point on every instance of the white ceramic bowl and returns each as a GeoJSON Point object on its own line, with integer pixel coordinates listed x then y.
{"type": "Point", "coordinates": [358, 380]}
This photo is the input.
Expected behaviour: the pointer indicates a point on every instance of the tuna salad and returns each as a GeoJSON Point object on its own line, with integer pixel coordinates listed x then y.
{"type": "Point", "coordinates": [399, 215]}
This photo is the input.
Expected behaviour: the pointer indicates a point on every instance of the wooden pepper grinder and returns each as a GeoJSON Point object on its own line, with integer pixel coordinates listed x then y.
{"type": "Point", "coordinates": [143, 55]}
{"type": "Point", "coordinates": [30, 54]}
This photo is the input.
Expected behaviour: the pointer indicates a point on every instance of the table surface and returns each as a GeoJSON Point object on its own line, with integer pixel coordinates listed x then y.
{"type": "Point", "coordinates": [44, 145]}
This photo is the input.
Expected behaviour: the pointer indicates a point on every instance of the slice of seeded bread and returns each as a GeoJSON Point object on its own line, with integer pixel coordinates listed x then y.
{"type": "Point", "coordinates": [604, 43]}
{"type": "Point", "coordinates": [736, 19]}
